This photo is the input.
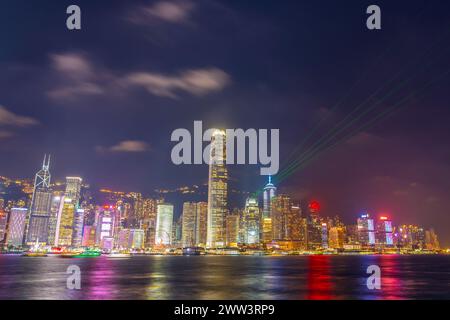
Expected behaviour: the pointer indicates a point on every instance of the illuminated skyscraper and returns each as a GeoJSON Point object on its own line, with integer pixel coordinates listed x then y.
{"type": "Point", "coordinates": [64, 223]}
{"type": "Point", "coordinates": [73, 189]}
{"type": "Point", "coordinates": [269, 192]}
{"type": "Point", "coordinates": [201, 225]}
{"type": "Point", "coordinates": [149, 221]}
{"type": "Point", "coordinates": [383, 233]}
{"type": "Point", "coordinates": [107, 220]}
{"type": "Point", "coordinates": [40, 210]}
{"type": "Point", "coordinates": [16, 229]}
{"type": "Point", "coordinates": [55, 206]}
{"type": "Point", "coordinates": [3, 221]}
{"type": "Point", "coordinates": [252, 221]}
{"type": "Point", "coordinates": [336, 237]}
{"type": "Point", "coordinates": [188, 224]}
{"type": "Point", "coordinates": [164, 222]}
{"type": "Point", "coordinates": [232, 229]}
{"type": "Point", "coordinates": [88, 236]}
{"type": "Point", "coordinates": [217, 191]}
{"type": "Point", "coordinates": [314, 227]}
{"type": "Point", "coordinates": [366, 230]}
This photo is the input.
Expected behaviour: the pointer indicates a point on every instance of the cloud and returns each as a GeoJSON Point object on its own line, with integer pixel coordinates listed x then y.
{"type": "Point", "coordinates": [5, 134]}
{"type": "Point", "coordinates": [127, 146]}
{"type": "Point", "coordinates": [164, 11]}
{"type": "Point", "coordinates": [10, 119]}
{"type": "Point", "coordinates": [78, 77]}
{"type": "Point", "coordinates": [195, 81]}
{"type": "Point", "coordinates": [72, 64]}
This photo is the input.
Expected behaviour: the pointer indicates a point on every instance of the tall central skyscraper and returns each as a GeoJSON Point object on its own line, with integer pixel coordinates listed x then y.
{"type": "Point", "coordinates": [217, 191]}
{"type": "Point", "coordinates": [40, 209]}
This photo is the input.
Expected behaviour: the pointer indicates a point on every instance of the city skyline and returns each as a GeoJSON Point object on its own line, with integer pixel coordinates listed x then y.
{"type": "Point", "coordinates": [285, 225]}
{"type": "Point", "coordinates": [105, 109]}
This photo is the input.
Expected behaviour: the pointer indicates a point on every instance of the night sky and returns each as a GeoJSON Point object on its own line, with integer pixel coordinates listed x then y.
{"type": "Point", "coordinates": [104, 100]}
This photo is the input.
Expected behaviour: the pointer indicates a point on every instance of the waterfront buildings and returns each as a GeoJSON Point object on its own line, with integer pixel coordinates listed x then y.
{"type": "Point", "coordinates": [217, 191]}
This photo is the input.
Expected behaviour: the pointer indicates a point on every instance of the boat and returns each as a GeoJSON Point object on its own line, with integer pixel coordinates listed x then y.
{"type": "Point", "coordinates": [193, 251]}
{"type": "Point", "coordinates": [35, 251]}
{"type": "Point", "coordinates": [34, 254]}
{"type": "Point", "coordinates": [87, 254]}
{"type": "Point", "coordinates": [118, 255]}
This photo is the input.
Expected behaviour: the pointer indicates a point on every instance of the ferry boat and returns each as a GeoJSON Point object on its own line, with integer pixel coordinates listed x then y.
{"type": "Point", "coordinates": [119, 255]}
{"type": "Point", "coordinates": [88, 254]}
{"type": "Point", "coordinates": [35, 251]}
{"type": "Point", "coordinates": [193, 251]}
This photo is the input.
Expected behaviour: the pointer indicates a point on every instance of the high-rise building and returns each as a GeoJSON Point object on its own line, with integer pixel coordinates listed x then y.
{"type": "Point", "coordinates": [252, 221]}
{"type": "Point", "coordinates": [336, 237]}
{"type": "Point", "coordinates": [54, 212]}
{"type": "Point", "coordinates": [149, 221]}
{"type": "Point", "coordinates": [16, 227]}
{"type": "Point", "coordinates": [40, 210]}
{"type": "Point", "coordinates": [410, 237]}
{"type": "Point", "coordinates": [324, 235]}
{"type": "Point", "coordinates": [3, 224]}
{"type": "Point", "coordinates": [77, 228]}
{"type": "Point", "coordinates": [269, 192]}
{"type": "Point", "coordinates": [314, 222]}
{"type": "Point", "coordinates": [73, 189]}
{"type": "Point", "coordinates": [431, 240]}
{"type": "Point", "coordinates": [188, 228]}
{"type": "Point", "coordinates": [107, 220]}
{"type": "Point", "coordinates": [217, 191]}
{"type": "Point", "coordinates": [201, 224]}
{"type": "Point", "coordinates": [383, 233]}
{"type": "Point", "coordinates": [232, 230]}
{"type": "Point", "coordinates": [164, 222]}
{"type": "Point", "coordinates": [366, 230]}
{"type": "Point", "coordinates": [88, 236]}
{"type": "Point", "coordinates": [64, 223]}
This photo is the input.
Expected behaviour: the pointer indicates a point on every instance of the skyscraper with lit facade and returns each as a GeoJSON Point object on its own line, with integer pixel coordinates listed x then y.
{"type": "Point", "coordinates": [217, 191]}
{"type": "Point", "coordinates": [40, 210]}
{"type": "Point", "coordinates": [188, 224]}
{"type": "Point", "coordinates": [366, 230]}
{"type": "Point", "coordinates": [232, 229]}
{"type": "Point", "coordinates": [16, 228]}
{"type": "Point", "coordinates": [252, 221]}
{"type": "Point", "coordinates": [315, 234]}
{"type": "Point", "coordinates": [201, 225]}
{"type": "Point", "coordinates": [64, 223]}
{"type": "Point", "coordinates": [383, 233]}
{"type": "Point", "coordinates": [164, 224]}
{"type": "Point", "coordinates": [269, 192]}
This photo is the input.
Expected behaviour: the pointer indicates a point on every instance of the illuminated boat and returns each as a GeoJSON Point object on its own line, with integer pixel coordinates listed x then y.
{"type": "Point", "coordinates": [118, 255]}
{"type": "Point", "coordinates": [34, 254]}
{"type": "Point", "coordinates": [35, 251]}
{"type": "Point", "coordinates": [88, 254]}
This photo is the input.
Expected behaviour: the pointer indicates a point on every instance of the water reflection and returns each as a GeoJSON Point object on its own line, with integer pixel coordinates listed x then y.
{"type": "Point", "coordinates": [320, 286]}
{"type": "Point", "coordinates": [215, 277]}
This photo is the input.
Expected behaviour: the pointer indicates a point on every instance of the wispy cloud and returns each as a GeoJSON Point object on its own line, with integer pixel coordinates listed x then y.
{"type": "Point", "coordinates": [9, 118]}
{"type": "Point", "coordinates": [195, 81]}
{"type": "Point", "coordinates": [126, 146]}
{"type": "Point", "coordinates": [6, 134]}
{"type": "Point", "coordinates": [79, 77]}
{"type": "Point", "coordinates": [164, 11]}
